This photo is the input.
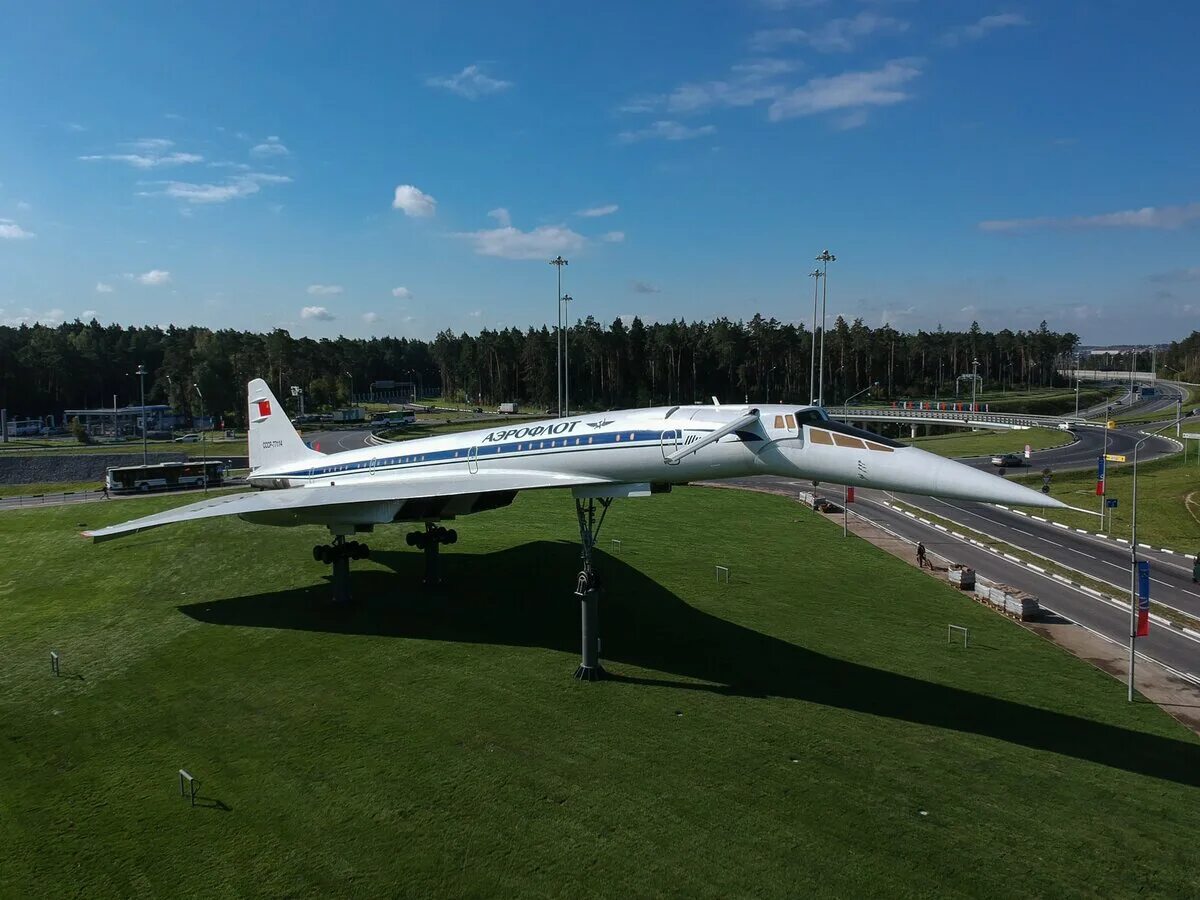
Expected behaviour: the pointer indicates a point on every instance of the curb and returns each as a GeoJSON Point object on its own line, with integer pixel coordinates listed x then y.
{"type": "Point", "coordinates": [1098, 534]}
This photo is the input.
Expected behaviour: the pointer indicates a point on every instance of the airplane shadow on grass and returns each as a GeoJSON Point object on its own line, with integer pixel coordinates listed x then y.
{"type": "Point", "coordinates": [522, 597]}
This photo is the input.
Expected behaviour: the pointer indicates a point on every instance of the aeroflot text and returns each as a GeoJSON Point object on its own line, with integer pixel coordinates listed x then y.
{"type": "Point", "coordinates": [535, 431]}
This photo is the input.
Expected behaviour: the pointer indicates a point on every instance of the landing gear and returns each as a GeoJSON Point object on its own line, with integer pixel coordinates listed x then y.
{"type": "Point", "coordinates": [429, 540]}
{"type": "Point", "coordinates": [339, 554]}
{"type": "Point", "coordinates": [587, 589]}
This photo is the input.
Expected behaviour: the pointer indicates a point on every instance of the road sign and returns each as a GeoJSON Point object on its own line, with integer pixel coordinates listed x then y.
{"type": "Point", "coordinates": [1028, 451]}
{"type": "Point", "coordinates": [1110, 424]}
{"type": "Point", "coordinates": [1114, 457]}
{"type": "Point", "coordinates": [1111, 502]}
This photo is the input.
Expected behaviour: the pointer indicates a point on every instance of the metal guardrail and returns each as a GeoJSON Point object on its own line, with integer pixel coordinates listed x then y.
{"type": "Point", "coordinates": [954, 417]}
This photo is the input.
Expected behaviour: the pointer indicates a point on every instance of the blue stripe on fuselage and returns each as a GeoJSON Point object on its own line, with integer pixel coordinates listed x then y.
{"type": "Point", "coordinates": [510, 449]}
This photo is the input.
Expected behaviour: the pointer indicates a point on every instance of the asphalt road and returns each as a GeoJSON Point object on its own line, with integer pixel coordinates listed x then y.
{"type": "Point", "coordinates": [1170, 647]}
{"type": "Point", "coordinates": [337, 441]}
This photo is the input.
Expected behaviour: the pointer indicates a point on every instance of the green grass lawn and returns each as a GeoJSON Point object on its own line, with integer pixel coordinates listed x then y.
{"type": "Point", "coordinates": [803, 731]}
{"type": "Point", "coordinates": [985, 443]}
{"type": "Point", "coordinates": [1168, 501]}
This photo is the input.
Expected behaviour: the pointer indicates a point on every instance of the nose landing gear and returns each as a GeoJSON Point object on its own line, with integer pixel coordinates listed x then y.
{"type": "Point", "coordinates": [587, 589]}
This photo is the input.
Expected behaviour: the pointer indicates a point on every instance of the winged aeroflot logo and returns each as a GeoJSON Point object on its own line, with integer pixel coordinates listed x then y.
{"type": "Point", "coordinates": [601, 423]}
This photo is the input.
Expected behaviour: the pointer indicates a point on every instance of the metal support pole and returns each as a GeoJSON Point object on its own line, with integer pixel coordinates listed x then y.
{"type": "Point", "coordinates": [1133, 598]}
{"type": "Point", "coordinates": [816, 275]}
{"type": "Point", "coordinates": [341, 571]}
{"type": "Point", "coordinates": [845, 513]}
{"type": "Point", "coordinates": [432, 575]}
{"type": "Point", "coordinates": [566, 302]}
{"type": "Point", "coordinates": [141, 373]}
{"type": "Point", "coordinates": [588, 590]}
{"type": "Point", "coordinates": [825, 258]}
{"type": "Point", "coordinates": [558, 262]}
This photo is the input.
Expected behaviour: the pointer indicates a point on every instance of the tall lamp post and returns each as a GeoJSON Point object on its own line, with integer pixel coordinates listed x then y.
{"type": "Point", "coordinates": [873, 384]}
{"type": "Point", "coordinates": [558, 262]}
{"type": "Point", "coordinates": [825, 259]}
{"type": "Point", "coordinates": [816, 276]}
{"type": "Point", "coordinates": [351, 377]}
{"type": "Point", "coordinates": [203, 452]}
{"type": "Point", "coordinates": [566, 317]}
{"type": "Point", "coordinates": [974, 382]}
{"type": "Point", "coordinates": [1133, 558]}
{"type": "Point", "coordinates": [141, 373]}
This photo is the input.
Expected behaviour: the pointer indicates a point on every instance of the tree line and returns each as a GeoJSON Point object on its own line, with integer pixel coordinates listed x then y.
{"type": "Point", "coordinates": [44, 370]}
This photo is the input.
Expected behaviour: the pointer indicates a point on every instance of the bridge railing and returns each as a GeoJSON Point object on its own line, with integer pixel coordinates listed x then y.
{"type": "Point", "coordinates": [965, 416]}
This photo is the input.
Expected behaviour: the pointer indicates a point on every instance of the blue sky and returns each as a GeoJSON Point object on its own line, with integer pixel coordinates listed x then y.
{"type": "Point", "coordinates": [366, 169]}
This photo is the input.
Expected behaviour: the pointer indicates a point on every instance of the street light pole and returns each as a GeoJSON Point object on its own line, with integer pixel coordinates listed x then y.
{"type": "Point", "coordinates": [558, 262]}
{"type": "Point", "coordinates": [1133, 560]}
{"type": "Point", "coordinates": [566, 410]}
{"type": "Point", "coordinates": [816, 275]}
{"type": "Point", "coordinates": [1076, 395]}
{"type": "Point", "coordinates": [825, 259]}
{"type": "Point", "coordinates": [974, 381]}
{"type": "Point", "coordinates": [351, 377]}
{"type": "Point", "coordinates": [141, 374]}
{"type": "Point", "coordinates": [203, 452]}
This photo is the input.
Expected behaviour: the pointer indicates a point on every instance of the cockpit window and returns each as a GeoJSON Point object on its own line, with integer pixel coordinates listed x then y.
{"type": "Point", "coordinates": [791, 422]}
{"type": "Point", "coordinates": [813, 416]}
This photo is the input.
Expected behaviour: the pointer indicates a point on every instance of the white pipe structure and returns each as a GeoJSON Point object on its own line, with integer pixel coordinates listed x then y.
{"type": "Point", "coordinates": [816, 275]}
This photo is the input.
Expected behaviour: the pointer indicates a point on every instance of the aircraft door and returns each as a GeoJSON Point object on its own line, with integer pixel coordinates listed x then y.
{"type": "Point", "coordinates": [473, 460]}
{"type": "Point", "coordinates": [670, 443]}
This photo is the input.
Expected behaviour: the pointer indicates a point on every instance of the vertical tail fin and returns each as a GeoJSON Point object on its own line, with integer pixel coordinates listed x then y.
{"type": "Point", "coordinates": [272, 439]}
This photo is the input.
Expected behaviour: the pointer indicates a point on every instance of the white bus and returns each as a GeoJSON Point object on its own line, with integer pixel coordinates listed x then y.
{"type": "Point", "coordinates": [164, 476]}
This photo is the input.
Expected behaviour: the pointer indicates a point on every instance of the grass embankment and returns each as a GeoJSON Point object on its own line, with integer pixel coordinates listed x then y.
{"type": "Point", "coordinates": [803, 729]}
{"type": "Point", "coordinates": [986, 443]}
{"type": "Point", "coordinates": [1168, 501]}
{"type": "Point", "coordinates": [49, 487]}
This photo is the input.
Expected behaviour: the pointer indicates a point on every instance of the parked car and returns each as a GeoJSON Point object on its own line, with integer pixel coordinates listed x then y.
{"type": "Point", "coordinates": [188, 439]}
{"type": "Point", "coordinates": [1007, 460]}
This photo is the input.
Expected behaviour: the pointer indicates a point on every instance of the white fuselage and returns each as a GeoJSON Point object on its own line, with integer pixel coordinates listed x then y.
{"type": "Point", "coordinates": [633, 446]}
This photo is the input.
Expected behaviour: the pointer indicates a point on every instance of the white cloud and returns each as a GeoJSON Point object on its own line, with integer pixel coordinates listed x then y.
{"type": "Point", "coordinates": [102, 288]}
{"type": "Point", "coordinates": [233, 188]}
{"type": "Point", "coordinates": [476, 313]}
{"type": "Point", "coordinates": [11, 231]}
{"type": "Point", "coordinates": [512, 243]}
{"type": "Point", "coordinates": [1167, 217]}
{"type": "Point", "coordinates": [147, 153]}
{"type": "Point", "coordinates": [1191, 273]}
{"type": "Point", "coordinates": [471, 83]}
{"type": "Point", "coordinates": [643, 287]}
{"type": "Point", "coordinates": [848, 91]}
{"type": "Point", "coordinates": [401, 293]}
{"type": "Point", "coordinates": [765, 67]}
{"type": "Point", "coordinates": [770, 39]}
{"type": "Point", "coordinates": [324, 290]}
{"type": "Point", "coordinates": [270, 147]}
{"type": "Point", "coordinates": [153, 278]}
{"type": "Point", "coordinates": [500, 214]}
{"type": "Point", "coordinates": [613, 237]}
{"type": "Point", "coordinates": [665, 130]}
{"type": "Point", "coordinates": [316, 312]}
{"type": "Point", "coordinates": [88, 314]}
{"type": "Point", "coordinates": [413, 201]}
{"type": "Point", "coordinates": [976, 30]}
{"type": "Point", "coordinates": [23, 206]}
{"type": "Point", "coordinates": [607, 210]}
{"type": "Point", "coordinates": [749, 83]}
{"type": "Point", "coordinates": [835, 36]}
{"type": "Point", "coordinates": [370, 318]}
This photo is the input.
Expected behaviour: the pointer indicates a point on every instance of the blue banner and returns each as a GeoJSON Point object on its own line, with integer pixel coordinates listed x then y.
{"type": "Point", "coordinates": [1100, 467]}
{"type": "Point", "coordinates": [1143, 571]}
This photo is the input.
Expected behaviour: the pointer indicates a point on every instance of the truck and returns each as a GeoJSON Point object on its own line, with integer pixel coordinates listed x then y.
{"type": "Point", "coordinates": [507, 409]}
{"type": "Point", "coordinates": [353, 414]}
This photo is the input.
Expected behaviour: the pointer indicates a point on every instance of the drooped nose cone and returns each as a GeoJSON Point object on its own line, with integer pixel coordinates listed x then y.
{"type": "Point", "coordinates": [954, 480]}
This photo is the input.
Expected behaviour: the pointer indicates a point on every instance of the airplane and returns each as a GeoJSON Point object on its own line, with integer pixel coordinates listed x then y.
{"type": "Point", "coordinates": [628, 453]}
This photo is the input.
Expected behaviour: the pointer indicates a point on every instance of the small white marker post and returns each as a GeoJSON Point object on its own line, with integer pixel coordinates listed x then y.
{"type": "Point", "coordinates": [184, 775]}
{"type": "Point", "coordinates": [54, 667]}
{"type": "Point", "coordinates": [616, 545]}
{"type": "Point", "coordinates": [721, 569]}
{"type": "Point", "coordinates": [950, 629]}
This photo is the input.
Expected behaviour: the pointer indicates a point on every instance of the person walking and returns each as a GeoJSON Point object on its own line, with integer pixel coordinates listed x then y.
{"type": "Point", "coordinates": [921, 561]}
